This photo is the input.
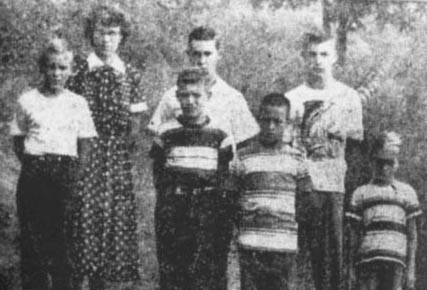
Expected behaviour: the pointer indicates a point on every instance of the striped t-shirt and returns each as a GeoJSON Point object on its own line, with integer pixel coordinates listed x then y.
{"type": "Point", "coordinates": [191, 155]}
{"type": "Point", "coordinates": [383, 212]}
{"type": "Point", "coordinates": [270, 181]}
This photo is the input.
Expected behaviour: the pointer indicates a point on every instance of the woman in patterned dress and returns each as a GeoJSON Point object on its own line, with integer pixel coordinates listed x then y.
{"type": "Point", "coordinates": [105, 219]}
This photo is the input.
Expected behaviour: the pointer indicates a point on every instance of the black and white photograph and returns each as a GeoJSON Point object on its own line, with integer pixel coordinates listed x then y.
{"type": "Point", "coordinates": [213, 144]}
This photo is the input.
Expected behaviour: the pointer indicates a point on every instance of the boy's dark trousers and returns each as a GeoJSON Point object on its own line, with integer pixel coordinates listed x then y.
{"type": "Point", "coordinates": [320, 231]}
{"type": "Point", "coordinates": [44, 188]}
{"type": "Point", "coordinates": [193, 235]}
{"type": "Point", "coordinates": [263, 270]}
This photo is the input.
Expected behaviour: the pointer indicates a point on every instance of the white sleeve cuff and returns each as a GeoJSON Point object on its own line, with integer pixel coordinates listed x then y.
{"type": "Point", "coordinates": [139, 107]}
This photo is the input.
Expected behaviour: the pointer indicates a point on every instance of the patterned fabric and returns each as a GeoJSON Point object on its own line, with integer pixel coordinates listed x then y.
{"type": "Point", "coordinates": [270, 181]}
{"type": "Point", "coordinates": [383, 212]}
{"type": "Point", "coordinates": [193, 232]}
{"type": "Point", "coordinates": [226, 105]}
{"type": "Point", "coordinates": [52, 125]}
{"type": "Point", "coordinates": [105, 236]}
{"type": "Point", "coordinates": [191, 155]}
{"type": "Point", "coordinates": [326, 119]}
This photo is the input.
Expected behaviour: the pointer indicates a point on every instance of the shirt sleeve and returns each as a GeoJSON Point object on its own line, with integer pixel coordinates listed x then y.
{"type": "Point", "coordinates": [413, 208]}
{"type": "Point", "coordinates": [86, 127]}
{"type": "Point", "coordinates": [243, 123]}
{"type": "Point", "coordinates": [138, 100]}
{"type": "Point", "coordinates": [354, 211]}
{"type": "Point", "coordinates": [304, 183]}
{"type": "Point", "coordinates": [165, 111]}
{"type": "Point", "coordinates": [354, 118]}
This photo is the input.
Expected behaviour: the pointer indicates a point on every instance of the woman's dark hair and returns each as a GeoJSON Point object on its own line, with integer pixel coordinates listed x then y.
{"type": "Point", "coordinates": [107, 16]}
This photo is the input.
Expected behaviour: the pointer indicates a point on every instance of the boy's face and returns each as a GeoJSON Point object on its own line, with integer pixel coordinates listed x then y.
{"type": "Point", "coordinates": [319, 58]}
{"type": "Point", "coordinates": [57, 71]}
{"type": "Point", "coordinates": [192, 98]}
{"type": "Point", "coordinates": [204, 54]}
{"type": "Point", "coordinates": [106, 39]}
{"type": "Point", "coordinates": [384, 169]}
{"type": "Point", "coordinates": [272, 121]}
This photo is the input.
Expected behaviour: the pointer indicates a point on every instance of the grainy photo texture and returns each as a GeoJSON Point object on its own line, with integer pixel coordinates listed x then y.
{"type": "Point", "coordinates": [213, 145]}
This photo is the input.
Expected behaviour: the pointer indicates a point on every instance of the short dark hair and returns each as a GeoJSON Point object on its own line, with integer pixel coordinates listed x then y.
{"type": "Point", "coordinates": [190, 76]}
{"type": "Point", "coordinates": [54, 46]}
{"type": "Point", "coordinates": [276, 100]}
{"type": "Point", "coordinates": [107, 16]}
{"type": "Point", "coordinates": [203, 33]}
{"type": "Point", "coordinates": [314, 37]}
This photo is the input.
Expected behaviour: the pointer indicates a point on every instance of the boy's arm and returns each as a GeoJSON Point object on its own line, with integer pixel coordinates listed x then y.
{"type": "Point", "coordinates": [412, 249]}
{"type": "Point", "coordinates": [157, 154]}
{"type": "Point", "coordinates": [18, 146]}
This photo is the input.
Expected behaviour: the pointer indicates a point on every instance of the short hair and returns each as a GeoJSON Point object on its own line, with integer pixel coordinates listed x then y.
{"type": "Point", "coordinates": [54, 46]}
{"type": "Point", "coordinates": [107, 16]}
{"type": "Point", "coordinates": [191, 76]}
{"type": "Point", "coordinates": [276, 100]}
{"type": "Point", "coordinates": [203, 33]}
{"type": "Point", "coordinates": [314, 37]}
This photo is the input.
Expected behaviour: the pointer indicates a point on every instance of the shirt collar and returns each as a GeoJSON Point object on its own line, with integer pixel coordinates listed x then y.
{"type": "Point", "coordinates": [116, 63]}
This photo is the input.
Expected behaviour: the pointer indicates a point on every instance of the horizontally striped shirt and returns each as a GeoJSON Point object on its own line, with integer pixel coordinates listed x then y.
{"type": "Point", "coordinates": [270, 181]}
{"type": "Point", "coordinates": [191, 155]}
{"type": "Point", "coordinates": [383, 212]}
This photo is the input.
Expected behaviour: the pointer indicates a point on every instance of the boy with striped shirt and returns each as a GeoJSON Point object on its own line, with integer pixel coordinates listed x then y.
{"type": "Point", "coordinates": [191, 157]}
{"type": "Point", "coordinates": [272, 175]}
{"type": "Point", "coordinates": [383, 215]}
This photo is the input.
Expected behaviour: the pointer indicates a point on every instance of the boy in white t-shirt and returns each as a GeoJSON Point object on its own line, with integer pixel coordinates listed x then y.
{"type": "Point", "coordinates": [51, 129]}
{"type": "Point", "coordinates": [327, 113]}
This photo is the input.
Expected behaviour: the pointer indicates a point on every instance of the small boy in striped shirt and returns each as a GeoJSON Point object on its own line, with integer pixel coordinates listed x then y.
{"type": "Point", "coordinates": [383, 222]}
{"type": "Point", "coordinates": [191, 158]}
{"type": "Point", "coordinates": [272, 175]}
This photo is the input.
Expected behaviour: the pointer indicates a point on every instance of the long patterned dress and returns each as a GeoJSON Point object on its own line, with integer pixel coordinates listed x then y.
{"type": "Point", "coordinates": [105, 220]}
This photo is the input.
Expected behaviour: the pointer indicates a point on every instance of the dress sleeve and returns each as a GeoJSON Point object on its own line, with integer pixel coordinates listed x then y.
{"type": "Point", "coordinates": [138, 100]}
{"type": "Point", "coordinates": [86, 128]}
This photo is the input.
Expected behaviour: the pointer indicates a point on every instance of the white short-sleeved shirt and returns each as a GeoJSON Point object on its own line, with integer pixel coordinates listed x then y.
{"type": "Point", "coordinates": [52, 125]}
{"type": "Point", "coordinates": [341, 115]}
{"type": "Point", "coordinates": [226, 105]}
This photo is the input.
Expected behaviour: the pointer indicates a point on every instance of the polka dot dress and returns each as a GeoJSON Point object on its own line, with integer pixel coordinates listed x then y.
{"type": "Point", "coordinates": [105, 242]}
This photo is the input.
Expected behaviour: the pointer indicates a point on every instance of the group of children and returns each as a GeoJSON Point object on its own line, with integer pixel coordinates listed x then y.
{"type": "Point", "coordinates": [204, 185]}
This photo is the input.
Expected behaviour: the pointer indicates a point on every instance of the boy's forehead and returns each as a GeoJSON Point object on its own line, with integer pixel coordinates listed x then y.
{"type": "Point", "coordinates": [274, 111]}
{"type": "Point", "coordinates": [196, 87]}
{"type": "Point", "coordinates": [203, 45]}
{"type": "Point", "coordinates": [107, 28]}
{"type": "Point", "coordinates": [328, 45]}
{"type": "Point", "coordinates": [64, 58]}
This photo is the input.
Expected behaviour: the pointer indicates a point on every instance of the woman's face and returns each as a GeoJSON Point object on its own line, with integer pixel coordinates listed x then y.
{"type": "Point", "coordinates": [106, 39]}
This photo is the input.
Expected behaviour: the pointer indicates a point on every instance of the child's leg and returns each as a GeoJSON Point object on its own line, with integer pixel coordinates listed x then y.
{"type": "Point", "coordinates": [249, 270]}
{"type": "Point", "coordinates": [279, 271]}
{"type": "Point", "coordinates": [368, 277]}
{"type": "Point", "coordinates": [58, 191]}
{"type": "Point", "coordinates": [172, 240]}
{"type": "Point", "coordinates": [31, 213]}
{"type": "Point", "coordinates": [391, 276]}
